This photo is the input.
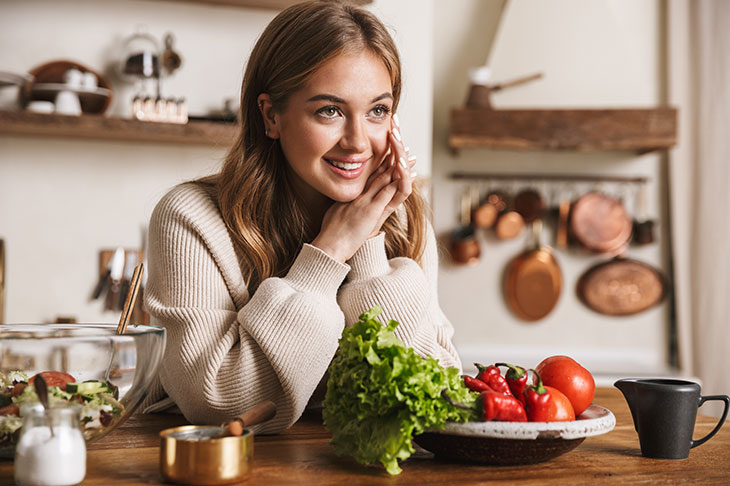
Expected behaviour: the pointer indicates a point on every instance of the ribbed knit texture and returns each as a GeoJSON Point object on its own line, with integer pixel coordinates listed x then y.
{"type": "Point", "coordinates": [227, 351]}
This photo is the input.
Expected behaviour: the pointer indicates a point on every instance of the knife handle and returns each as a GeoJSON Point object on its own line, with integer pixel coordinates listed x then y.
{"type": "Point", "coordinates": [259, 413]}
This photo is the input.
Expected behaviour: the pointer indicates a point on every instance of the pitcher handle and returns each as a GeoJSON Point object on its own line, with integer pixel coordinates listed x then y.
{"type": "Point", "coordinates": [725, 399]}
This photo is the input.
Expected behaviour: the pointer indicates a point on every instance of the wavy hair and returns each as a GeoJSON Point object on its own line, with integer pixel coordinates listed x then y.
{"type": "Point", "coordinates": [254, 183]}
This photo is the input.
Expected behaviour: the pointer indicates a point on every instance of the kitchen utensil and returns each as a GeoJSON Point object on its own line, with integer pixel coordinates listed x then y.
{"type": "Point", "coordinates": [67, 103]}
{"type": "Point", "coordinates": [561, 232]}
{"type": "Point", "coordinates": [171, 60]}
{"type": "Point", "coordinates": [643, 226]}
{"type": "Point", "coordinates": [116, 272]}
{"type": "Point", "coordinates": [600, 223]}
{"type": "Point", "coordinates": [529, 204]}
{"type": "Point", "coordinates": [621, 287]}
{"type": "Point", "coordinates": [532, 280]}
{"type": "Point", "coordinates": [514, 443]}
{"type": "Point", "coordinates": [464, 245]}
{"type": "Point", "coordinates": [664, 413]}
{"type": "Point", "coordinates": [195, 454]}
{"type": "Point", "coordinates": [509, 223]}
{"type": "Point", "coordinates": [42, 391]}
{"type": "Point", "coordinates": [84, 350]}
{"type": "Point", "coordinates": [48, 81]}
{"type": "Point", "coordinates": [486, 214]}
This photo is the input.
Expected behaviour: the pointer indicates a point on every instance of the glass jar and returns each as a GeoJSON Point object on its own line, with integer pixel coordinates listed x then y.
{"type": "Point", "coordinates": [49, 439]}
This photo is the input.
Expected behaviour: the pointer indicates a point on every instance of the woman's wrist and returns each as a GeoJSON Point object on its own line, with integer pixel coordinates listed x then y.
{"type": "Point", "coordinates": [330, 249]}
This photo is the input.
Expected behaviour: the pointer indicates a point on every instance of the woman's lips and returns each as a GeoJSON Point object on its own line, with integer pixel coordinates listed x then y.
{"type": "Point", "coordinates": [347, 168]}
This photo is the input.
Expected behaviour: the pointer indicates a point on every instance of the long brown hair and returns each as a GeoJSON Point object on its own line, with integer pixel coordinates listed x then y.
{"type": "Point", "coordinates": [254, 191]}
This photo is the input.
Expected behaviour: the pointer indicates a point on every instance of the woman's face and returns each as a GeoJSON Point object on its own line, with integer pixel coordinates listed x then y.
{"type": "Point", "coordinates": [334, 131]}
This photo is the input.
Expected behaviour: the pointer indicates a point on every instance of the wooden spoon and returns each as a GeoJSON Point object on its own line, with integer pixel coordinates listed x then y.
{"type": "Point", "coordinates": [131, 298]}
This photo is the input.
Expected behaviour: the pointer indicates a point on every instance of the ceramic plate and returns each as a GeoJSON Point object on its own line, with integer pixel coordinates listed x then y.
{"type": "Point", "coordinates": [512, 443]}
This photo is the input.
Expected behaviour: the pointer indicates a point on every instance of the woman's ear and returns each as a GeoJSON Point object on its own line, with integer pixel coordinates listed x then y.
{"type": "Point", "coordinates": [269, 116]}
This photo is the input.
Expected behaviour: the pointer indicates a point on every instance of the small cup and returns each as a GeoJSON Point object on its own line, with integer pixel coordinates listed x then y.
{"type": "Point", "coordinates": [89, 81]}
{"type": "Point", "coordinates": [465, 246]}
{"type": "Point", "coordinates": [39, 106]}
{"type": "Point", "coordinates": [73, 78]}
{"type": "Point", "coordinates": [664, 413]}
{"type": "Point", "coordinates": [67, 103]}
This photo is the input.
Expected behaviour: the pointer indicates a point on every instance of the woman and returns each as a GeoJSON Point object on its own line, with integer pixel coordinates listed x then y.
{"type": "Point", "coordinates": [312, 220]}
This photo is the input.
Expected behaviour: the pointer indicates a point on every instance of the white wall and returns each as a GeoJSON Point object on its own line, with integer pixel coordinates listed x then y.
{"type": "Point", "coordinates": [597, 53]}
{"type": "Point", "coordinates": [61, 201]}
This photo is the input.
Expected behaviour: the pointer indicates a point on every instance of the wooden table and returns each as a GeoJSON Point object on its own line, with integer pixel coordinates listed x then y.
{"type": "Point", "coordinates": [302, 455]}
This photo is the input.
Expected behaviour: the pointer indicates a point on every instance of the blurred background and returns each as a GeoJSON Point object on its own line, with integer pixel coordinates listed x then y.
{"type": "Point", "coordinates": [604, 120]}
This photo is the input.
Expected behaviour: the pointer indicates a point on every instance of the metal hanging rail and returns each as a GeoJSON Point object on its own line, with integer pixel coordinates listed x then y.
{"type": "Point", "coordinates": [549, 177]}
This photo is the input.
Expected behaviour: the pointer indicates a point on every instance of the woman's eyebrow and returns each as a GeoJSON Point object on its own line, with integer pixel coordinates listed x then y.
{"type": "Point", "coordinates": [335, 99]}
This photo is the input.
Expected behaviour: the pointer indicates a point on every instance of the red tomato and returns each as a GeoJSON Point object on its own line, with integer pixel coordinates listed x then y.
{"type": "Point", "coordinates": [560, 408]}
{"type": "Point", "coordinates": [568, 376]}
{"type": "Point", "coordinates": [55, 378]}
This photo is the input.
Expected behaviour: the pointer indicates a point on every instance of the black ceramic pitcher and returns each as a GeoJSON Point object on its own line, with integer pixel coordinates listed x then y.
{"type": "Point", "coordinates": [664, 413]}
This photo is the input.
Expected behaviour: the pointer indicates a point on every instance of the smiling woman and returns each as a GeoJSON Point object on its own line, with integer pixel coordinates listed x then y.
{"type": "Point", "coordinates": [312, 220]}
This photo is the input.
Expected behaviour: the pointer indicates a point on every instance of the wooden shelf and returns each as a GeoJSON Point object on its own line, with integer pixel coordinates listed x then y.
{"type": "Point", "coordinates": [267, 4]}
{"type": "Point", "coordinates": [641, 130]}
{"type": "Point", "coordinates": [97, 127]}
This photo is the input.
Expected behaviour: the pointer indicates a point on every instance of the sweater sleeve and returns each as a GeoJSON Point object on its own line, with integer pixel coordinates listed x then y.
{"type": "Point", "coordinates": [226, 352]}
{"type": "Point", "coordinates": [406, 292]}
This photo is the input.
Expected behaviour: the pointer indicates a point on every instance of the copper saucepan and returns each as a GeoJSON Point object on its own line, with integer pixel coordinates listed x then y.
{"type": "Point", "coordinates": [532, 280]}
{"type": "Point", "coordinates": [600, 223]}
{"type": "Point", "coordinates": [621, 287]}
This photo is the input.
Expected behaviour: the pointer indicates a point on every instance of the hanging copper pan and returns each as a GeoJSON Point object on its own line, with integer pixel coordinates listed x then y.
{"type": "Point", "coordinates": [600, 223]}
{"type": "Point", "coordinates": [621, 287]}
{"type": "Point", "coordinates": [533, 281]}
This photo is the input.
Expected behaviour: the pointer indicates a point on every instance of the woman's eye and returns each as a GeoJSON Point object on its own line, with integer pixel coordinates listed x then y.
{"type": "Point", "coordinates": [380, 111]}
{"type": "Point", "coordinates": [329, 111]}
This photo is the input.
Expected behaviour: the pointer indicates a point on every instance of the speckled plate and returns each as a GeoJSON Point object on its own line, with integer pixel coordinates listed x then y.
{"type": "Point", "coordinates": [513, 443]}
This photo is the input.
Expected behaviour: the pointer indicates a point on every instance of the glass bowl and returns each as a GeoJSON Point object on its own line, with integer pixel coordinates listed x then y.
{"type": "Point", "coordinates": [112, 372]}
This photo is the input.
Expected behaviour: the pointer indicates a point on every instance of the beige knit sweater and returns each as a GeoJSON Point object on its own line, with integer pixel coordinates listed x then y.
{"type": "Point", "coordinates": [228, 350]}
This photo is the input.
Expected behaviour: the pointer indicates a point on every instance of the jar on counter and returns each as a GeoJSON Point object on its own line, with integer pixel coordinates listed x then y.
{"type": "Point", "coordinates": [54, 455]}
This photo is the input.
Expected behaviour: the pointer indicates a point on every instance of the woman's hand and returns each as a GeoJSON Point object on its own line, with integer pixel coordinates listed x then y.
{"type": "Point", "coordinates": [346, 226]}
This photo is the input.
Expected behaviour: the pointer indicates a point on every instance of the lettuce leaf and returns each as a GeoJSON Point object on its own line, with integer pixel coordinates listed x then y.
{"type": "Point", "coordinates": [381, 393]}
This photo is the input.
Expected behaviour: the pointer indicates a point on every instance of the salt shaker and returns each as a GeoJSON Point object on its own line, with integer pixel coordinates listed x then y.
{"type": "Point", "coordinates": [49, 439]}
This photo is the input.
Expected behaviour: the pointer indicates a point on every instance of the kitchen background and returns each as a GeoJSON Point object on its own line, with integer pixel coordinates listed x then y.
{"type": "Point", "coordinates": [63, 199]}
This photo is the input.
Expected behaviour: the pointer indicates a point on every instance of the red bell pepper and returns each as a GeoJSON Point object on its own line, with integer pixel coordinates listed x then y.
{"type": "Point", "coordinates": [537, 400]}
{"type": "Point", "coordinates": [492, 376]}
{"type": "Point", "coordinates": [516, 379]}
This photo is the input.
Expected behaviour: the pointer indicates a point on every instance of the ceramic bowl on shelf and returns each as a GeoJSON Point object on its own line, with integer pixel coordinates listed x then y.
{"type": "Point", "coordinates": [112, 372]}
{"type": "Point", "coordinates": [50, 78]}
{"type": "Point", "coordinates": [515, 443]}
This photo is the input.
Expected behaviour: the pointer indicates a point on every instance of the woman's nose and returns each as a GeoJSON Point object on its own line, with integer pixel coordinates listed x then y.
{"type": "Point", "coordinates": [355, 136]}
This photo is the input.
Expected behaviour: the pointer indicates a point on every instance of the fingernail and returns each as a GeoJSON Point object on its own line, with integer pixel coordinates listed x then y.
{"type": "Point", "coordinates": [413, 174]}
{"type": "Point", "coordinates": [403, 163]}
{"type": "Point", "coordinates": [411, 158]}
{"type": "Point", "coordinates": [396, 134]}
{"type": "Point", "coordinates": [407, 149]}
{"type": "Point", "coordinates": [396, 120]}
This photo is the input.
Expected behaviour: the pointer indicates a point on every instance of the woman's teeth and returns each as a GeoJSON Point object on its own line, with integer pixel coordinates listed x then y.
{"type": "Point", "coordinates": [345, 165]}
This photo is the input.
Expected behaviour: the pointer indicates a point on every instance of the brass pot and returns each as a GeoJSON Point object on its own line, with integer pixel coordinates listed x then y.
{"type": "Point", "coordinates": [187, 459]}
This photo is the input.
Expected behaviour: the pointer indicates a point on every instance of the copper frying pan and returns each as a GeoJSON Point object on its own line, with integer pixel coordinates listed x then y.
{"type": "Point", "coordinates": [533, 281]}
{"type": "Point", "coordinates": [621, 287]}
{"type": "Point", "coordinates": [600, 223]}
